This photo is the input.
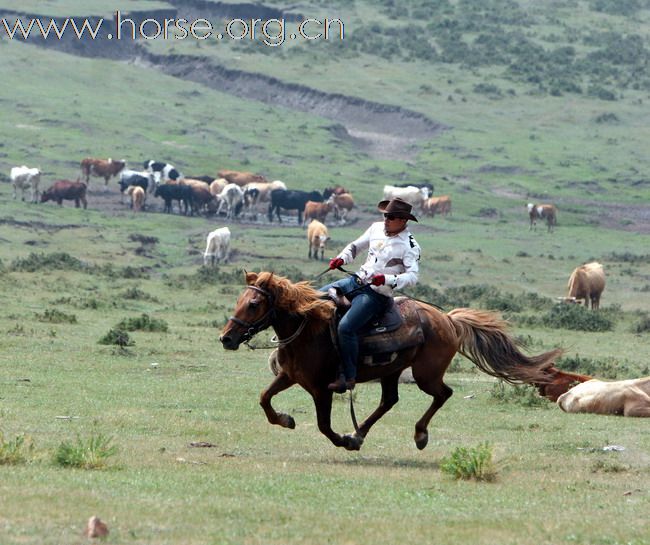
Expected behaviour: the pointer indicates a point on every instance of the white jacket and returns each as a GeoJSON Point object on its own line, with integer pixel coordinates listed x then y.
{"type": "Point", "coordinates": [397, 257]}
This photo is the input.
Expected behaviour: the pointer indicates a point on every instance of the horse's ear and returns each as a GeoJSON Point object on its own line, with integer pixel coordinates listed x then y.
{"type": "Point", "coordinates": [250, 277]}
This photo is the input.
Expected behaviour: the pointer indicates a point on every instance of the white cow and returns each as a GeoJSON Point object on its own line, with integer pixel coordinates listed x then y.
{"type": "Point", "coordinates": [232, 197]}
{"type": "Point", "coordinates": [25, 178]}
{"type": "Point", "coordinates": [411, 194]}
{"type": "Point", "coordinates": [218, 246]}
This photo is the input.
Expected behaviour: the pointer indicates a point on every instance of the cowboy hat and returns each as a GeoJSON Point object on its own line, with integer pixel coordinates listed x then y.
{"type": "Point", "coordinates": [398, 208]}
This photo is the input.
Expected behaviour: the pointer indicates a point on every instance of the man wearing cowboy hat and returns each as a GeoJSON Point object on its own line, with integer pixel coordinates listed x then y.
{"type": "Point", "coordinates": [392, 263]}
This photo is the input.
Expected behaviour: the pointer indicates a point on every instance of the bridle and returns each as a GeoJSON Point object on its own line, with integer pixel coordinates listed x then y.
{"type": "Point", "coordinates": [253, 328]}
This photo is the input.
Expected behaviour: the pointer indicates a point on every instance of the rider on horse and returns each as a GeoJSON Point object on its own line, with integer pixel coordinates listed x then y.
{"type": "Point", "coordinates": [392, 263]}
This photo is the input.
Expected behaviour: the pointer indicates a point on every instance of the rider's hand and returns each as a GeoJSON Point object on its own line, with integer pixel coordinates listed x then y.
{"type": "Point", "coordinates": [336, 263]}
{"type": "Point", "coordinates": [378, 279]}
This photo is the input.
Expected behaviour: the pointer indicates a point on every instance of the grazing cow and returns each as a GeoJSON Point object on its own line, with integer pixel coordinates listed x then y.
{"type": "Point", "coordinates": [218, 247]}
{"type": "Point", "coordinates": [201, 197]}
{"type": "Point", "coordinates": [241, 178]}
{"type": "Point", "coordinates": [291, 199]}
{"type": "Point", "coordinates": [317, 211]}
{"type": "Point", "coordinates": [546, 212]}
{"type": "Point", "coordinates": [232, 198]}
{"type": "Point", "coordinates": [623, 397]}
{"type": "Point", "coordinates": [586, 282]}
{"type": "Point", "coordinates": [559, 383]}
{"type": "Point", "coordinates": [411, 194]}
{"type": "Point", "coordinates": [137, 195]}
{"type": "Point", "coordinates": [101, 168]}
{"type": "Point", "coordinates": [162, 172]}
{"type": "Point", "coordinates": [131, 177]}
{"type": "Point", "coordinates": [437, 205]}
{"type": "Point", "coordinates": [66, 190]}
{"type": "Point", "coordinates": [317, 236]}
{"type": "Point", "coordinates": [343, 203]}
{"type": "Point", "coordinates": [175, 192]}
{"type": "Point", "coordinates": [25, 178]}
{"type": "Point", "coordinates": [427, 186]}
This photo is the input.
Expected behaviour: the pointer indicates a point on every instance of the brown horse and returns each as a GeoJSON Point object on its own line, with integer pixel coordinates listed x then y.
{"type": "Point", "coordinates": [300, 317]}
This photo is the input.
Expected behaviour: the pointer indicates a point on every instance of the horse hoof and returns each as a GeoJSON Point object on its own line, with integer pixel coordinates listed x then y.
{"type": "Point", "coordinates": [287, 421]}
{"type": "Point", "coordinates": [352, 442]}
{"type": "Point", "coordinates": [421, 440]}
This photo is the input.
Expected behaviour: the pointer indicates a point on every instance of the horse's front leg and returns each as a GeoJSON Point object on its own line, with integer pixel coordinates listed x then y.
{"type": "Point", "coordinates": [323, 403]}
{"type": "Point", "coordinates": [281, 383]}
{"type": "Point", "coordinates": [389, 397]}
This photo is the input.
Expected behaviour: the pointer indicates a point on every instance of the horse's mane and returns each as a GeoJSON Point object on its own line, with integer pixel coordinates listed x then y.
{"type": "Point", "coordinates": [298, 298]}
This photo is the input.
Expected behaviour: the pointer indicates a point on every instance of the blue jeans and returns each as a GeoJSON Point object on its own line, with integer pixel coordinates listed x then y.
{"type": "Point", "coordinates": [367, 305]}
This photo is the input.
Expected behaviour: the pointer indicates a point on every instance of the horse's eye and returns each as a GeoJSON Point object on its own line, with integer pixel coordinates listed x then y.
{"type": "Point", "coordinates": [253, 303]}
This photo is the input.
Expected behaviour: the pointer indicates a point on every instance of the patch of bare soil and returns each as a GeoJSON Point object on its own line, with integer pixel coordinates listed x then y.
{"type": "Point", "coordinates": [380, 130]}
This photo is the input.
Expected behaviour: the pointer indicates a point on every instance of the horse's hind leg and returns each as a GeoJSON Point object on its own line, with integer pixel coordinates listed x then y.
{"type": "Point", "coordinates": [428, 376]}
{"type": "Point", "coordinates": [281, 383]}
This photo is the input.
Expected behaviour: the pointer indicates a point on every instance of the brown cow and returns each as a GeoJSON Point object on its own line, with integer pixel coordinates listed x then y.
{"type": "Point", "coordinates": [137, 195]}
{"type": "Point", "coordinates": [546, 212]}
{"type": "Point", "coordinates": [241, 178]}
{"type": "Point", "coordinates": [317, 236]}
{"type": "Point", "coordinates": [437, 205]}
{"type": "Point", "coordinates": [587, 282]}
{"type": "Point", "coordinates": [623, 397]}
{"type": "Point", "coordinates": [343, 203]}
{"type": "Point", "coordinates": [100, 168]}
{"type": "Point", "coordinates": [66, 190]}
{"type": "Point", "coordinates": [317, 211]}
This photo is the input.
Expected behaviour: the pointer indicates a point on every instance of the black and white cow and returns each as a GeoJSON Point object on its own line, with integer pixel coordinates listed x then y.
{"type": "Point", "coordinates": [162, 171]}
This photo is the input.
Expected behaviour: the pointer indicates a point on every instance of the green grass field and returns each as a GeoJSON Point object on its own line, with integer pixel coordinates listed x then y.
{"type": "Point", "coordinates": [68, 277]}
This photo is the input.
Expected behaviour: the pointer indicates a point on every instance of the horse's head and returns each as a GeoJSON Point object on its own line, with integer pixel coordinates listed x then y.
{"type": "Point", "coordinates": [253, 313]}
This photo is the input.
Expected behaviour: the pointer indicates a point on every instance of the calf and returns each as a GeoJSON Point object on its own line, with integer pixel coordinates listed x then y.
{"type": "Point", "coordinates": [546, 212]}
{"type": "Point", "coordinates": [317, 210]}
{"type": "Point", "coordinates": [317, 236]}
{"type": "Point", "coordinates": [101, 168]}
{"type": "Point", "coordinates": [66, 190]}
{"type": "Point", "coordinates": [25, 178]}
{"type": "Point", "coordinates": [137, 195]}
{"type": "Point", "coordinates": [218, 247]}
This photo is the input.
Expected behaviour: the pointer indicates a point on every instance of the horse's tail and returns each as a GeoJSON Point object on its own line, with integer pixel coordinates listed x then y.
{"type": "Point", "coordinates": [484, 339]}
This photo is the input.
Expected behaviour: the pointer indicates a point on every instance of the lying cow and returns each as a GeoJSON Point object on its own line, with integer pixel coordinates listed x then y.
{"type": "Point", "coordinates": [546, 212]}
{"type": "Point", "coordinates": [66, 190]}
{"type": "Point", "coordinates": [623, 397]}
{"type": "Point", "coordinates": [25, 178]}
{"type": "Point", "coordinates": [317, 236]}
{"type": "Point", "coordinates": [587, 283]}
{"type": "Point", "coordinates": [218, 247]}
{"type": "Point", "coordinates": [241, 178]}
{"type": "Point", "coordinates": [100, 168]}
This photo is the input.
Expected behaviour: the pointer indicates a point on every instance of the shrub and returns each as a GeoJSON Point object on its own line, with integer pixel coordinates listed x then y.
{"type": "Point", "coordinates": [137, 294]}
{"type": "Point", "coordinates": [85, 455]}
{"type": "Point", "coordinates": [117, 337]}
{"type": "Point", "coordinates": [15, 451]}
{"type": "Point", "coordinates": [642, 326]}
{"type": "Point", "coordinates": [55, 316]}
{"type": "Point", "coordinates": [525, 394]}
{"type": "Point", "coordinates": [143, 323]}
{"type": "Point", "coordinates": [576, 317]}
{"type": "Point", "coordinates": [470, 463]}
{"type": "Point", "coordinates": [36, 262]}
{"type": "Point", "coordinates": [608, 368]}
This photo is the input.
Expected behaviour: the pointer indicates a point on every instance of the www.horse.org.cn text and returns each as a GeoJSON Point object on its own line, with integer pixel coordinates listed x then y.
{"type": "Point", "coordinates": [272, 32]}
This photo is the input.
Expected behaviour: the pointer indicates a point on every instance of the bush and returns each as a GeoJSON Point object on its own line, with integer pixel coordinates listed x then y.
{"type": "Point", "coordinates": [117, 337]}
{"type": "Point", "coordinates": [137, 294]}
{"type": "Point", "coordinates": [15, 451]}
{"type": "Point", "coordinates": [576, 317]}
{"type": "Point", "coordinates": [642, 326]}
{"type": "Point", "coordinates": [55, 316]}
{"type": "Point", "coordinates": [470, 463]}
{"type": "Point", "coordinates": [55, 261]}
{"type": "Point", "coordinates": [524, 395]}
{"type": "Point", "coordinates": [603, 369]}
{"type": "Point", "coordinates": [85, 455]}
{"type": "Point", "coordinates": [143, 323]}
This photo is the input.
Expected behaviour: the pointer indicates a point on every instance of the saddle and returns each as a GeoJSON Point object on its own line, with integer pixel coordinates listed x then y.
{"type": "Point", "coordinates": [380, 341]}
